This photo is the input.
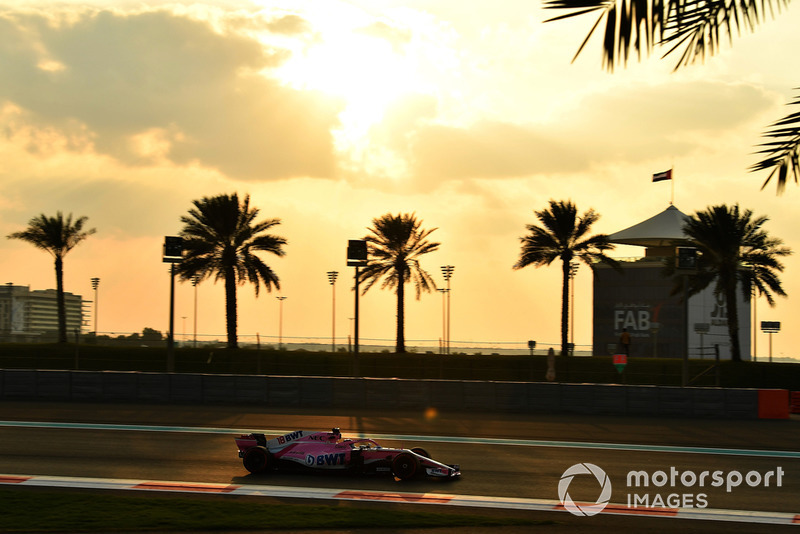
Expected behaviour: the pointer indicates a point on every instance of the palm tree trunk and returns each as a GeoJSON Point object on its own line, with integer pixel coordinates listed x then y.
{"type": "Point", "coordinates": [61, 305]}
{"type": "Point", "coordinates": [564, 305]}
{"type": "Point", "coordinates": [400, 347]}
{"type": "Point", "coordinates": [733, 321]}
{"type": "Point", "coordinates": [230, 307]}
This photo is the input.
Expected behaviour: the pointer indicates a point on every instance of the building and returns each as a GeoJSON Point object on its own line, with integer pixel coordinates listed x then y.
{"type": "Point", "coordinates": [641, 300]}
{"type": "Point", "coordinates": [29, 316]}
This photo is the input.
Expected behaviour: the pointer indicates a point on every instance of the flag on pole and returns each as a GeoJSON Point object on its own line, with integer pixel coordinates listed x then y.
{"type": "Point", "coordinates": [661, 176]}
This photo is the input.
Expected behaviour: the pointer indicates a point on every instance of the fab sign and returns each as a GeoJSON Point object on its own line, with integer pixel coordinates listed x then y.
{"type": "Point", "coordinates": [632, 319]}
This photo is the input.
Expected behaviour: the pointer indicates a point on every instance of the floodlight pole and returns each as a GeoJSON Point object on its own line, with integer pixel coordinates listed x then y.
{"type": "Point", "coordinates": [447, 272]}
{"type": "Point", "coordinates": [173, 253]}
{"type": "Point", "coordinates": [332, 279]}
{"type": "Point", "coordinates": [357, 256]}
{"type": "Point", "coordinates": [171, 335]}
{"type": "Point", "coordinates": [280, 321]}
{"type": "Point", "coordinates": [770, 346]}
{"type": "Point", "coordinates": [770, 327]}
{"type": "Point", "coordinates": [95, 283]}
{"type": "Point", "coordinates": [573, 271]}
{"type": "Point", "coordinates": [355, 325]}
{"type": "Point", "coordinates": [195, 281]}
{"type": "Point", "coordinates": [442, 342]}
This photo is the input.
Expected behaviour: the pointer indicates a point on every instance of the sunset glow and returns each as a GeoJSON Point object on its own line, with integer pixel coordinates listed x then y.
{"type": "Point", "coordinates": [329, 114]}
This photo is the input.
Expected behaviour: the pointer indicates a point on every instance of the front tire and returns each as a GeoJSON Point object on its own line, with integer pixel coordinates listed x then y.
{"type": "Point", "coordinates": [257, 459]}
{"type": "Point", "coordinates": [405, 466]}
{"type": "Point", "coordinates": [421, 452]}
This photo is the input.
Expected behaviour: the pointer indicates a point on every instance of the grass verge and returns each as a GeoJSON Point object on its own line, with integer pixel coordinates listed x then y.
{"type": "Point", "coordinates": [68, 511]}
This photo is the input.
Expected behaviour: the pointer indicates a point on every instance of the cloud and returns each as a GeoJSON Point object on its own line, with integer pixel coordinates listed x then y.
{"type": "Point", "coordinates": [201, 91]}
{"type": "Point", "coordinates": [289, 25]}
{"type": "Point", "coordinates": [157, 88]}
{"type": "Point", "coordinates": [491, 149]}
{"type": "Point", "coordinates": [631, 124]}
{"type": "Point", "coordinates": [397, 37]}
{"type": "Point", "coordinates": [671, 108]}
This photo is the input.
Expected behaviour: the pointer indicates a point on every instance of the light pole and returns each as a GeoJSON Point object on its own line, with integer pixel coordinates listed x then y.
{"type": "Point", "coordinates": [351, 334]}
{"type": "Point", "coordinates": [195, 281]}
{"type": "Point", "coordinates": [755, 312]}
{"type": "Point", "coordinates": [447, 272]}
{"type": "Point", "coordinates": [357, 255]}
{"type": "Point", "coordinates": [770, 327]}
{"type": "Point", "coordinates": [173, 253]}
{"type": "Point", "coordinates": [95, 283]}
{"type": "Point", "coordinates": [280, 321]}
{"type": "Point", "coordinates": [444, 323]}
{"type": "Point", "coordinates": [332, 279]}
{"type": "Point", "coordinates": [573, 271]}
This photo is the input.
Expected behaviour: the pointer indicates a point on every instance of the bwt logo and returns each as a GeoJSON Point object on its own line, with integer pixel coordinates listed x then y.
{"type": "Point", "coordinates": [631, 319]}
{"type": "Point", "coordinates": [289, 437]}
{"type": "Point", "coordinates": [584, 509]}
{"type": "Point", "coordinates": [326, 459]}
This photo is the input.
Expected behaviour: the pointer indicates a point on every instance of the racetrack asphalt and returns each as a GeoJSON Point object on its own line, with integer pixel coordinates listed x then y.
{"type": "Point", "coordinates": [779, 435]}
{"type": "Point", "coordinates": [783, 434]}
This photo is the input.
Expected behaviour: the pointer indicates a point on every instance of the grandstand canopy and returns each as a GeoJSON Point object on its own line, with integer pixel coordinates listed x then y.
{"type": "Point", "coordinates": [662, 230]}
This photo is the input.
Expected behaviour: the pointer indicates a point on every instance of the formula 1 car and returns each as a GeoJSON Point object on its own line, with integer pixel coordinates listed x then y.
{"type": "Point", "coordinates": [328, 451]}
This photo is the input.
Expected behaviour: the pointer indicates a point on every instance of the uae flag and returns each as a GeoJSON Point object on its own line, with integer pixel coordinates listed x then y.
{"type": "Point", "coordinates": [661, 176]}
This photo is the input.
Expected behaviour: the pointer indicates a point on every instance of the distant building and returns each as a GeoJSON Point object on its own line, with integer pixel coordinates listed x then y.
{"type": "Point", "coordinates": [660, 324]}
{"type": "Point", "coordinates": [27, 315]}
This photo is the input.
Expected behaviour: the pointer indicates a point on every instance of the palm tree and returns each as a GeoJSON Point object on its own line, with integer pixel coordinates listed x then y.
{"type": "Point", "coordinates": [734, 249]}
{"type": "Point", "coordinates": [564, 235]}
{"type": "Point", "coordinates": [220, 238]}
{"type": "Point", "coordinates": [395, 244]}
{"type": "Point", "coordinates": [57, 236]}
{"type": "Point", "coordinates": [699, 26]}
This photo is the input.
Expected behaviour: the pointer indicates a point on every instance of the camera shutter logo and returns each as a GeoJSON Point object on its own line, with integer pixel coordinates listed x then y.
{"type": "Point", "coordinates": [584, 509]}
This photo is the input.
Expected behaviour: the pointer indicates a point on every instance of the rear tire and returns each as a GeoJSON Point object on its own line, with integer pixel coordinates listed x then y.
{"type": "Point", "coordinates": [257, 459]}
{"type": "Point", "coordinates": [405, 466]}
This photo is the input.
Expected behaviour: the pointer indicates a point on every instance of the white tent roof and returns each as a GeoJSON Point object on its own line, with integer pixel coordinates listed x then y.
{"type": "Point", "coordinates": [662, 230]}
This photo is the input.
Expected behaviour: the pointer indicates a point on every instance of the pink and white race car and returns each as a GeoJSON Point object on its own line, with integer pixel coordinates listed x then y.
{"type": "Point", "coordinates": [328, 451]}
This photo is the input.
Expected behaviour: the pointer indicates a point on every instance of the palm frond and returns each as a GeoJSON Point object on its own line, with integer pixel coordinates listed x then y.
{"type": "Point", "coordinates": [735, 248]}
{"type": "Point", "coordinates": [630, 25]}
{"type": "Point", "coordinates": [56, 235]}
{"type": "Point", "coordinates": [782, 153]}
{"type": "Point", "coordinates": [697, 26]}
{"type": "Point", "coordinates": [395, 244]}
{"type": "Point", "coordinates": [220, 233]}
{"type": "Point", "coordinates": [692, 28]}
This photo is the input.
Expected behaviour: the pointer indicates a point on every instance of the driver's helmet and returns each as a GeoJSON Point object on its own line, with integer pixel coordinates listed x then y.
{"type": "Point", "coordinates": [334, 435]}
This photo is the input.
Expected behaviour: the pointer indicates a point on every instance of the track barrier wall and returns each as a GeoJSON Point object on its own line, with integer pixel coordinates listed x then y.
{"type": "Point", "coordinates": [773, 404]}
{"type": "Point", "coordinates": [387, 393]}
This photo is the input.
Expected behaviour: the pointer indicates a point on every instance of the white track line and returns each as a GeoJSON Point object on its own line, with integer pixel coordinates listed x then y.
{"type": "Point", "coordinates": [472, 501]}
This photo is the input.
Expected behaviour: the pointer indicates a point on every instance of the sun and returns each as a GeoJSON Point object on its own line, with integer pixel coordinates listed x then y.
{"type": "Point", "coordinates": [368, 72]}
{"type": "Point", "coordinates": [364, 70]}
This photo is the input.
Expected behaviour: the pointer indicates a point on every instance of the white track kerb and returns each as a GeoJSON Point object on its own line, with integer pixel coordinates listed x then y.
{"type": "Point", "coordinates": [441, 499]}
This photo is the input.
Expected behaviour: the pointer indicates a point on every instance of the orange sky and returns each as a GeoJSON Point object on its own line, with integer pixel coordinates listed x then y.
{"type": "Point", "coordinates": [332, 113]}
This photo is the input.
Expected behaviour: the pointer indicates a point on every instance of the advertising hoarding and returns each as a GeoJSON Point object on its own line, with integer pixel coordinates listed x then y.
{"type": "Point", "coordinates": [641, 301]}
